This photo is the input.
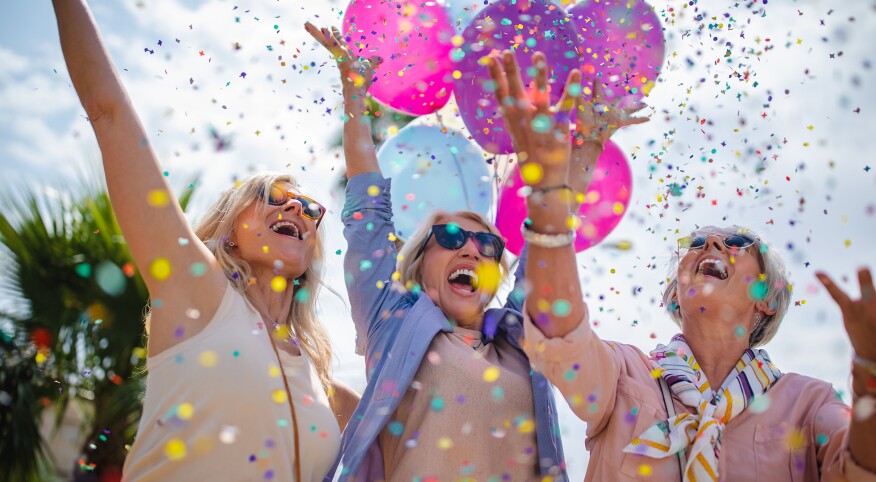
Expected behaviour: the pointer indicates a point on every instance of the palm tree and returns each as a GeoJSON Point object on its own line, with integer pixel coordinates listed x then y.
{"type": "Point", "coordinates": [76, 332]}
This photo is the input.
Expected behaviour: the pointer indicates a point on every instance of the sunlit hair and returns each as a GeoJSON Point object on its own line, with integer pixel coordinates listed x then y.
{"type": "Point", "coordinates": [216, 228]}
{"type": "Point", "coordinates": [772, 267]}
{"type": "Point", "coordinates": [410, 269]}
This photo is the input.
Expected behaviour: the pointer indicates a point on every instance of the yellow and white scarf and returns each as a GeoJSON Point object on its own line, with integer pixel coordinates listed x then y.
{"type": "Point", "coordinates": [753, 375]}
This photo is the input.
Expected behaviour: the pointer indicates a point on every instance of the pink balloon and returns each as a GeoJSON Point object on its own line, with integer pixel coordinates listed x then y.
{"type": "Point", "coordinates": [624, 46]}
{"type": "Point", "coordinates": [606, 201]}
{"type": "Point", "coordinates": [413, 39]}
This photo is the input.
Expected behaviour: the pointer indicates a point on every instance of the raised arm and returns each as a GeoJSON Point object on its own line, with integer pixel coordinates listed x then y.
{"type": "Point", "coordinates": [356, 77]}
{"type": "Point", "coordinates": [859, 318]}
{"type": "Point", "coordinates": [371, 254]}
{"type": "Point", "coordinates": [149, 215]}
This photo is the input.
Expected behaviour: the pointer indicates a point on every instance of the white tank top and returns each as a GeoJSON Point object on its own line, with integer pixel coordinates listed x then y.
{"type": "Point", "coordinates": [216, 408]}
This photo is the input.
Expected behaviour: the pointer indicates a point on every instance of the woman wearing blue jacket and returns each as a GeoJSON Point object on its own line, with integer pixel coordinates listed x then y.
{"type": "Point", "coordinates": [450, 393]}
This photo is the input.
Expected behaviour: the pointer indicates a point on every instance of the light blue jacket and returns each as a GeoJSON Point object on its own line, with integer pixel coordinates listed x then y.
{"type": "Point", "coordinates": [394, 328]}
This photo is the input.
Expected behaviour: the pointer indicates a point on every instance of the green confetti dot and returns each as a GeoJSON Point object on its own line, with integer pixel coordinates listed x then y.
{"type": "Point", "coordinates": [438, 404]}
{"type": "Point", "coordinates": [83, 269]}
{"type": "Point", "coordinates": [198, 269]}
{"type": "Point", "coordinates": [302, 295]}
{"type": "Point", "coordinates": [396, 428]}
{"type": "Point", "coordinates": [365, 265]}
{"type": "Point", "coordinates": [561, 308]}
{"type": "Point", "coordinates": [452, 228]}
{"type": "Point", "coordinates": [541, 123]}
{"type": "Point", "coordinates": [757, 290]}
{"type": "Point", "coordinates": [338, 252]}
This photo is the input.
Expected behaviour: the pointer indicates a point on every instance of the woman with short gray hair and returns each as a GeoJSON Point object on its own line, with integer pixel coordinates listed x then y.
{"type": "Point", "coordinates": [728, 295]}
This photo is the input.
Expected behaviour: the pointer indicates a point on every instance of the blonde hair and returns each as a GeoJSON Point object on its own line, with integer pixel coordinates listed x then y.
{"type": "Point", "coordinates": [773, 268]}
{"type": "Point", "coordinates": [215, 229]}
{"type": "Point", "coordinates": [410, 269]}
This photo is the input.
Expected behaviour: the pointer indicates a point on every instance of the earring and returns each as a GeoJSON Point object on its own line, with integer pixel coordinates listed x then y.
{"type": "Point", "coordinates": [230, 245]}
{"type": "Point", "coordinates": [757, 318]}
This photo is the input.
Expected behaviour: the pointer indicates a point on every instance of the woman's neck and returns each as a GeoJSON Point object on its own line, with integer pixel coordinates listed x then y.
{"type": "Point", "coordinates": [274, 306]}
{"type": "Point", "coordinates": [716, 348]}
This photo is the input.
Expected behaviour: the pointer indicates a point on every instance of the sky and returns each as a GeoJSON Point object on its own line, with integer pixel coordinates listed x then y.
{"type": "Point", "coordinates": [761, 117]}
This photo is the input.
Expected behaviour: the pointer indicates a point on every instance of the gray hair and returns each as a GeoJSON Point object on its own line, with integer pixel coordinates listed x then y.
{"type": "Point", "coordinates": [409, 270]}
{"type": "Point", "coordinates": [772, 267]}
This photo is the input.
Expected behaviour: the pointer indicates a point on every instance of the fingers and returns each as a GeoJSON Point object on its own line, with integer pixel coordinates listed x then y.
{"type": "Point", "coordinates": [598, 92]}
{"type": "Point", "coordinates": [838, 295]}
{"type": "Point", "coordinates": [540, 98]}
{"type": "Point", "coordinates": [317, 34]}
{"type": "Point", "coordinates": [866, 281]}
{"type": "Point", "coordinates": [571, 93]}
{"type": "Point", "coordinates": [498, 75]}
{"type": "Point", "coordinates": [512, 75]}
{"type": "Point", "coordinates": [630, 110]}
{"type": "Point", "coordinates": [631, 121]}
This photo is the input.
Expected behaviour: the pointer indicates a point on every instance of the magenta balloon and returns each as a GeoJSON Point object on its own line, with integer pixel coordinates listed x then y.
{"type": "Point", "coordinates": [624, 46]}
{"type": "Point", "coordinates": [414, 40]}
{"type": "Point", "coordinates": [526, 27]}
{"type": "Point", "coordinates": [605, 202]}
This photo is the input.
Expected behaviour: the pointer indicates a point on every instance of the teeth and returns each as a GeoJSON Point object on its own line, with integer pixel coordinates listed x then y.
{"type": "Point", "coordinates": [717, 264]}
{"type": "Point", "coordinates": [471, 274]}
{"type": "Point", "coordinates": [282, 224]}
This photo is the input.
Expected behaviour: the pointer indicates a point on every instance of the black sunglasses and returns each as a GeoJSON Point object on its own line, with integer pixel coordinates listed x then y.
{"type": "Point", "coordinates": [733, 241]}
{"type": "Point", "coordinates": [451, 236]}
{"type": "Point", "coordinates": [279, 194]}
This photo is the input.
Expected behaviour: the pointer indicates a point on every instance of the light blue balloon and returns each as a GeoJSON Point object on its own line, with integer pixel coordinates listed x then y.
{"type": "Point", "coordinates": [433, 170]}
{"type": "Point", "coordinates": [462, 12]}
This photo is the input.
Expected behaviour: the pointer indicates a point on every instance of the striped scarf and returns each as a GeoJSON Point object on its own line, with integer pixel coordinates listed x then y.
{"type": "Point", "coordinates": [753, 375]}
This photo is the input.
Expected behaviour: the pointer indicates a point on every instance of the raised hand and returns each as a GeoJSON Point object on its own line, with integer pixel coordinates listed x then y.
{"type": "Point", "coordinates": [539, 131]}
{"type": "Point", "coordinates": [356, 73]}
{"type": "Point", "coordinates": [859, 316]}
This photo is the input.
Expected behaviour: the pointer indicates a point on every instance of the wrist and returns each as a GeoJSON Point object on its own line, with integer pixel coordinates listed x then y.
{"type": "Point", "coordinates": [863, 376]}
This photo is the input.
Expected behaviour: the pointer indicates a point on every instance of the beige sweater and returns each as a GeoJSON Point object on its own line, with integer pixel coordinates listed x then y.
{"type": "Point", "coordinates": [216, 408]}
{"type": "Point", "coordinates": [467, 416]}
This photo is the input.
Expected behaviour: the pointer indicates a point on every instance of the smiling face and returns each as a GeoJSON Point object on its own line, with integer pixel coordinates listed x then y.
{"type": "Point", "coordinates": [275, 239]}
{"type": "Point", "coordinates": [717, 281]}
{"type": "Point", "coordinates": [451, 277]}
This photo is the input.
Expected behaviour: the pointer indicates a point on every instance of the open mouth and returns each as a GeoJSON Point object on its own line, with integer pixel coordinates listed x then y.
{"type": "Point", "coordinates": [286, 228]}
{"type": "Point", "coordinates": [713, 267]}
{"type": "Point", "coordinates": [464, 280]}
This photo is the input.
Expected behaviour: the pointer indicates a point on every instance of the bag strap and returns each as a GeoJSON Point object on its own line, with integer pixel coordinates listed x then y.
{"type": "Point", "coordinates": [291, 407]}
{"type": "Point", "coordinates": [670, 412]}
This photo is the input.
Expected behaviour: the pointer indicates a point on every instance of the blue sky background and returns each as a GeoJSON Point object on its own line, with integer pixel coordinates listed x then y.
{"type": "Point", "coordinates": [775, 137]}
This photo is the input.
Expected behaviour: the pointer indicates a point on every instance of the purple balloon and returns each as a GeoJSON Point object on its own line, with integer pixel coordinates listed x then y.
{"type": "Point", "coordinates": [623, 46]}
{"type": "Point", "coordinates": [545, 28]}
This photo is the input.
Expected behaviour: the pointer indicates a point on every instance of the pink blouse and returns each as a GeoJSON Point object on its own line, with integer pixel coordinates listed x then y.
{"type": "Point", "coordinates": [798, 434]}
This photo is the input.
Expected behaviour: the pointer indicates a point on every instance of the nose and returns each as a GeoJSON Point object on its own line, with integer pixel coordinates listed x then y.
{"type": "Point", "coordinates": [293, 206]}
{"type": "Point", "coordinates": [713, 240]}
{"type": "Point", "coordinates": [469, 250]}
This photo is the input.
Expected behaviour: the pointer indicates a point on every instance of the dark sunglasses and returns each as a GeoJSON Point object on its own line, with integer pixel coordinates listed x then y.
{"type": "Point", "coordinates": [733, 241]}
{"type": "Point", "coordinates": [279, 195]}
{"type": "Point", "coordinates": [451, 236]}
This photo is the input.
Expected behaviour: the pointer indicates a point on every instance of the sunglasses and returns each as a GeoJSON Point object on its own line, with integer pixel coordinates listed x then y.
{"type": "Point", "coordinates": [451, 236]}
{"type": "Point", "coordinates": [279, 195]}
{"type": "Point", "coordinates": [733, 241]}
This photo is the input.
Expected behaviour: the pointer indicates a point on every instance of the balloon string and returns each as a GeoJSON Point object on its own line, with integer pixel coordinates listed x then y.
{"type": "Point", "coordinates": [458, 167]}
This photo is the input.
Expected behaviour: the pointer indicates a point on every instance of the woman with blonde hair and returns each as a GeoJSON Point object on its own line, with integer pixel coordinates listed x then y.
{"type": "Point", "coordinates": [450, 393]}
{"type": "Point", "coordinates": [239, 374]}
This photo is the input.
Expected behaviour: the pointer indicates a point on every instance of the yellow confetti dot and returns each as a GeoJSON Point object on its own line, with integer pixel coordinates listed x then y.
{"type": "Point", "coordinates": [531, 173]}
{"type": "Point", "coordinates": [526, 426]}
{"type": "Point", "coordinates": [274, 371]}
{"type": "Point", "coordinates": [160, 269]}
{"type": "Point", "coordinates": [279, 396]}
{"type": "Point", "coordinates": [282, 332]}
{"type": "Point", "coordinates": [491, 374]}
{"type": "Point", "coordinates": [40, 357]}
{"type": "Point", "coordinates": [617, 208]}
{"type": "Point", "coordinates": [175, 449]}
{"type": "Point", "coordinates": [185, 411]}
{"type": "Point", "coordinates": [457, 74]}
{"type": "Point", "coordinates": [158, 198]}
{"type": "Point", "coordinates": [445, 443]}
{"type": "Point", "coordinates": [208, 358]}
{"type": "Point", "coordinates": [645, 470]}
{"type": "Point", "coordinates": [457, 40]}
{"type": "Point", "coordinates": [373, 191]}
{"type": "Point", "coordinates": [278, 284]}
{"type": "Point", "coordinates": [489, 277]}
{"type": "Point", "coordinates": [848, 242]}
{"type": "Point", "coordinates": [392, 130]}
{"type": "Point", "coordinates": [655, 373]}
